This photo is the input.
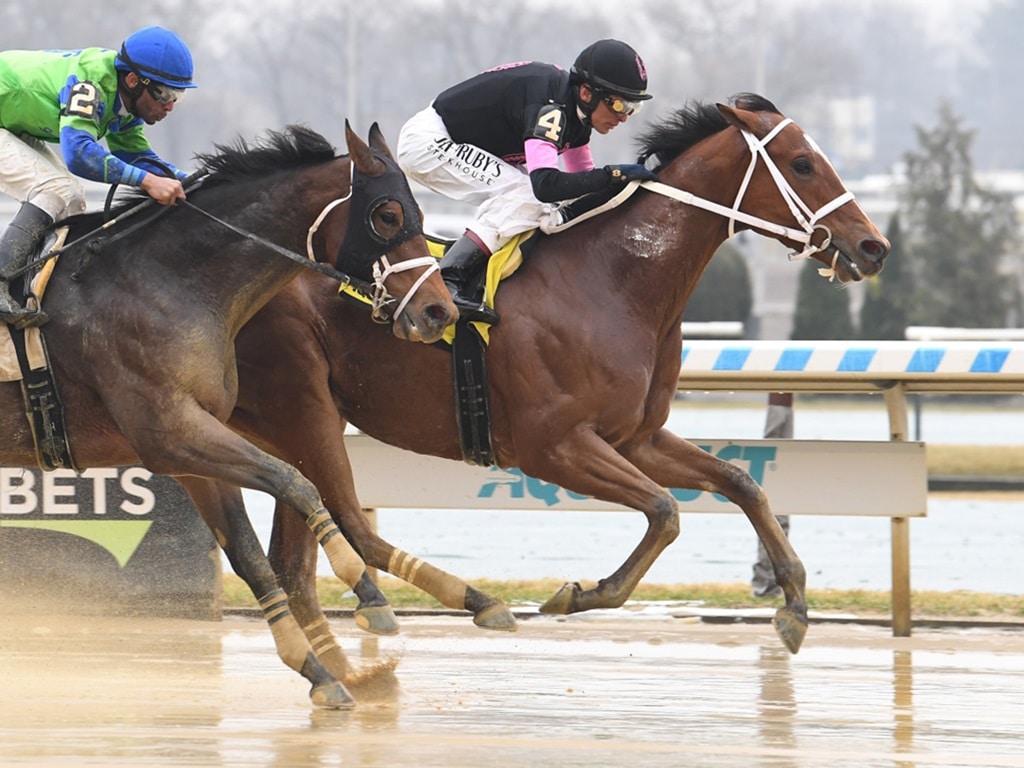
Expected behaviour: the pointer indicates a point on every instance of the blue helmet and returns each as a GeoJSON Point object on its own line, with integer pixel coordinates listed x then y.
{"type": "Point", "coordinates": [155, 53]}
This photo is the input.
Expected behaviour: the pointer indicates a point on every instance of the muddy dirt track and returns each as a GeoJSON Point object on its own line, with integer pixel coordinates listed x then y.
{"type": "Point", "coordinates": [613, 689]}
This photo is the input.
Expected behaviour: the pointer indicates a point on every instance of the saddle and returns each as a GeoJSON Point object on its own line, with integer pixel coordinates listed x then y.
{"type": "Point", "coordinates": [468, 343]}
{"type": "Point", "coordinates": [25, 358]}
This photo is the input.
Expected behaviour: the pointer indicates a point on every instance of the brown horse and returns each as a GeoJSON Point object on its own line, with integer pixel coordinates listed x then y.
{"type": "Point", "coordinates": [142, 337]}
{"type": "Point", "coordinates": [583, 367]}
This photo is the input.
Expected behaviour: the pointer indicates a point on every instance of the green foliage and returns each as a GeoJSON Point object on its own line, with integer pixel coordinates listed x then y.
{"type": "Point", "coordinates": [822, 308]}
{"type": "Point", "coordinates": [334, 595]}
{"type": "Point", "coordinates": [724, 291]}
{"type": "Point", "coordinates": [883, 315]}
{"type": "Point", "coordinates": [960, 238]}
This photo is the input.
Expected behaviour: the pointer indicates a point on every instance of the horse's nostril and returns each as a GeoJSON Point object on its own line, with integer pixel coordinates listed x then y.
{"type": "Point", "coordinates": [873, 249]}
{"type": "Point", "coordinates": [438, 313]}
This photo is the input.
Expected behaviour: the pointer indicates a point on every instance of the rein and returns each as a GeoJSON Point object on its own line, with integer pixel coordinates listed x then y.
{"type": "Point", "coordinates": [806, 218]}
{"type": "Point", "coordinates": [376, 291]}
{"type": "Point", "coordinates": [316, 266]}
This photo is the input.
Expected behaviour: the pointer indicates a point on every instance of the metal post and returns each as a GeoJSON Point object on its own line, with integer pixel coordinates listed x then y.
{"type": "Point", "coordinates": [896, 402]}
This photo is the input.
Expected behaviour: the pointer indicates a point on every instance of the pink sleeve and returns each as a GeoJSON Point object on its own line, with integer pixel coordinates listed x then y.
{"type": "Point", "coordinates": [578, 159]}
{"type": "Point", "coordinates": [540, 154]}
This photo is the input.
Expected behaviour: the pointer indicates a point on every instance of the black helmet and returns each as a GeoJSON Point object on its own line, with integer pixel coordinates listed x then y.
{"type": "Point", "coordinates": [613, 67]}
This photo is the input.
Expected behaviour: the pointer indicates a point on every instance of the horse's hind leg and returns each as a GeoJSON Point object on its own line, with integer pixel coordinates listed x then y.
{"type": "Point", "coordinates": [675, 463]}
{"type": "Point", "coordinates": [222, 509]}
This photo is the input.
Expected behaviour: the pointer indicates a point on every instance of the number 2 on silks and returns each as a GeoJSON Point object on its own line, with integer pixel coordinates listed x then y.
{"type": "Point", "coordinates": [83, 101]}
{"type": "Point", "coordinates": [549, 123]}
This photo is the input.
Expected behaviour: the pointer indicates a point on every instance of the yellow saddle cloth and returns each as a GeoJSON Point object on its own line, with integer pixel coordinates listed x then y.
{"type": "Point", "coordinates": [502, 264]}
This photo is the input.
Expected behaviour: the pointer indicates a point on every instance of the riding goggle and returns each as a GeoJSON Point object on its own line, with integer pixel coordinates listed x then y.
{"type": "Point", "coordinates": [621, 106]}
{"type": "Point", "coordinates": [164, 94]}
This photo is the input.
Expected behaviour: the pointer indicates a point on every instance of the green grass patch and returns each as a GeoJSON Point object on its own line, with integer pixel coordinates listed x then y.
{"type": "Point", "coordinates": [334, 594]}
{"type": "Point", "coordinates": [943, 460]}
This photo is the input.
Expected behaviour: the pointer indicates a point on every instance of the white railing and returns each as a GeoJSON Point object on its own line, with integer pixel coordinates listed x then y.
{"type": "Point", "coordinates": [796, 484]}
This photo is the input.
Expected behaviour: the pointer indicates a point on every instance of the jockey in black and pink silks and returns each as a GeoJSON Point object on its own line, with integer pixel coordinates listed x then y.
{"type": "Point", "coordinates": [495, 141]}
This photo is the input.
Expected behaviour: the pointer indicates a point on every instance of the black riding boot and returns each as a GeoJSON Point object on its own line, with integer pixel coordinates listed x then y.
{"type": "Point", "coordinates": [17, 243]}
{"type": "Point", "coordinates": [457, 266]}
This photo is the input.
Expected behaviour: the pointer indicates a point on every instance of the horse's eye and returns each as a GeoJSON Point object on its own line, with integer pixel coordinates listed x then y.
{"type": "Point", "coordinates": [390, 218]}
{"type": "Point", "coordinates": [802, 166]}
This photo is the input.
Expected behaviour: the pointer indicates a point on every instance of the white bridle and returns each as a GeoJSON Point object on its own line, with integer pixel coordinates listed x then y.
{"type": "Point", "coordinates": [382, 268]}
{"type": "Point", "coordinates": [805, 217]}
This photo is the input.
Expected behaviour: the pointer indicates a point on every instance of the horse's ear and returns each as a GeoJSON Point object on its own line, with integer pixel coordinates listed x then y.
{"type": "Point", "coordinates": [740, 118]}
{"type": "Point", "coordinates": [362, 158]}
{"type": "Point", "coordinates": [727, 112]}
{"type": "Point", "coordinates": [377, 141]}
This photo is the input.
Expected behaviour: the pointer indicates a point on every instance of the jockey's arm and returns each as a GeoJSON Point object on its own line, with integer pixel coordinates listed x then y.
{"type": "Point", "coordinates": [551, 184]}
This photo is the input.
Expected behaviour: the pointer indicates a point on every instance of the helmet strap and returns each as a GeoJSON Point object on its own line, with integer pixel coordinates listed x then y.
{"type": "Point", "coordinates": [586, 107]}
{"type": "Point", "coordinates": [132, 93]}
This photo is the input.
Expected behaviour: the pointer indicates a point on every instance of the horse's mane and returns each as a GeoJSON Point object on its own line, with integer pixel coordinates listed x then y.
{"type": "Point", "coordinates": [669, 138]}
{"type": "Point", "coordinates": [294, 147]}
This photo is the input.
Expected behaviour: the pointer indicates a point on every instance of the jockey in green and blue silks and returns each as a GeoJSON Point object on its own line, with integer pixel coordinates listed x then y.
{"type": "Point", "coordinates": [75, 98]}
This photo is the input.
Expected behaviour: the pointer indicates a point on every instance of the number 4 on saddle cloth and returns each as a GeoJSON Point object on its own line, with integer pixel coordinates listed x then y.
{"type": "Point", "coordinates": [24, 358]}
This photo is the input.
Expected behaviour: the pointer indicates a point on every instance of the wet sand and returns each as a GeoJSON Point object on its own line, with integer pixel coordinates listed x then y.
{"type": "Point", "coordinates": [612, 689]}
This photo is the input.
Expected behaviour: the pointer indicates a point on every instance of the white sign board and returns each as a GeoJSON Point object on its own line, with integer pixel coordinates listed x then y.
{"type": "Point", "coordinates": [801, 477]}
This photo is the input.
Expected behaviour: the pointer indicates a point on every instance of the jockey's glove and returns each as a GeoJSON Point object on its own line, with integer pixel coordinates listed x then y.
{"type": "Point", "coordinates": [630, 172]}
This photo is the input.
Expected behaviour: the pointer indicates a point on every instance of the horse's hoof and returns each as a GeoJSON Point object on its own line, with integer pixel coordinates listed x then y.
{"type": "Point", "coordinates": [563, 600]}
{"type": "Point", "coordinates": [498, 617]}
{"type": "Point", "coordinates": [331, 695]}
{"type": "Point", "coordinates": [377, 619]}
{"type": "Point", "coordinates": [790, 628]}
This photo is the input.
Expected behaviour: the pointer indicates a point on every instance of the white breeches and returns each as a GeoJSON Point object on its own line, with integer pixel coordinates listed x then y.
{"type": "Point", "coordinates": [502, 191]}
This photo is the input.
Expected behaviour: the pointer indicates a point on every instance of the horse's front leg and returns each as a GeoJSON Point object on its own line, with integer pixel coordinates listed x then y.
{"type": "Point", "coordinates": [296, 571]}
{"type": "Point", "coordinates": [452, 592]}
{"type": "Point", "coordinates": [374, 613]}
{"type": "Point", "coordinates": [675, 463]}
{"type": "Point", "coordinates": [293, 555]}
{"type": "Point", "coordinates": [331, 471]}
{"type": "Point", "coordinates": [223, 511]}
{"type": "Point", "coordinates": [196, 443]}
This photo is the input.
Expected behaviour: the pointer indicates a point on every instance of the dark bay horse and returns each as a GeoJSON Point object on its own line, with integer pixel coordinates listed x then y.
{"type": "Point", "coordinates": [583, 367]}
{"type": "Point", "coordinates": [142, 342]}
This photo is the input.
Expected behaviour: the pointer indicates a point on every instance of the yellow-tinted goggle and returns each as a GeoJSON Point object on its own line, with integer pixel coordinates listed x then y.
{"type": "Point", "coordinates": [621, 106]}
